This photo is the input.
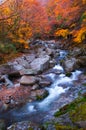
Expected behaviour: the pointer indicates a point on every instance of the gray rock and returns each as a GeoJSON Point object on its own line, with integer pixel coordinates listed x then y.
{"type": "Point", "coordinates": [35, 87]}
{"type": "Point", "coordinates": [39, 94]}
{"type": "Point", "coordinates": [79, 51]}
{"type": "Point", "coordinates": [44, 83]}
{"type": "Point", "coordinates": [6, 69]}
{"type": "Point", "coordinates": [81, 61]}
{"type": "Point", "coordinates": [24, 125]}
{"type": "Point", "coordinates": [29, 58]}
{"type": "Point", "coordinates": [22, 61]}
{"type": "Point", "coordinates": [49, 51]}
{"type": "Point", "coordinates": [52, 63]}
{"type": "Point", "coordinates": [40, 64]}
{"type": "Point", "coordinates": [70, 64]}
{"type": "Point", "coordinates": [28, 80]}
{"type": "Point", "coordinates": [27, 72]}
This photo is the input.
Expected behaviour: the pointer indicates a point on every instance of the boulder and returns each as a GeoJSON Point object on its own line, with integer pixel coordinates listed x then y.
{"type": "Point", "coordinates": [70, 64]}
{"type": "Point", "coordinates": [50, 52]}
{"type": "Point", "coordinates": [39, 94]}
{"type": "Point", "coordinates": [7, 69]}
{"type": "Point", "coordinates": [40, 64]}
{"type": "Point", "coordinates": [27, 72]}
{"type": "Point", "coordinates": [28, 80]}
{"type": "Point", "coordinates": [81, 51]}
{"type": "Point", "coordinates": [52, 63]}
{"type": "Point", "coordinates": [35, 87]}
{"type": "Point", "coordinates": [45, 83]}
{"type": "Point", "coordinates": [81, 61]}
{"type": "Point", "coordinates": [22, 62]}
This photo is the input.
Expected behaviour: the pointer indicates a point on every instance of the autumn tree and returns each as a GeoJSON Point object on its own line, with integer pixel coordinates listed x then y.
{"type": "Point", "coordinates": [64, 12]}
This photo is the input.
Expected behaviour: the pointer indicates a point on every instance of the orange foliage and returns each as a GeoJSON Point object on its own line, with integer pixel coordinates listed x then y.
{"type": "Point", "coordinates": [64, 11]}
{"type": "Point", "coordinates": [79, 35]}
{"type": "Point", "coordinates": [20, 20]}
{"type": "Point", "coordinates": [62, 32]}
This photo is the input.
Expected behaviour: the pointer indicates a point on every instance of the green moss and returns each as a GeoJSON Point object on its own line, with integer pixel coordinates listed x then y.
{"type": "Point", "coordinates": [38, 97]}
{"type": "Point", "coordinates": [84, 84]}
{"type": "Point", "coordinates": [68, 74]}
{"type": "Point", "coordinates": [70, 107]}
{"type": "Point", "coordinates": [79, 113]}
{"type": "Point", "coordinates": [30, 128]}
{"type": "Point", "coordinates": [62, 127]}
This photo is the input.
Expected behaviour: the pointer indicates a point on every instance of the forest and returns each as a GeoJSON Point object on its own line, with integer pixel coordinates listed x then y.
{"type": "Point", "coordinates": [26, 20]}
{"type": "Point", "coordinates": [42, 64]}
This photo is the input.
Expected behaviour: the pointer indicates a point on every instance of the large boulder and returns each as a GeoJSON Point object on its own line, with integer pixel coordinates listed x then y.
{"type": "Point", "coordinates": [82, 61]}
{"type": "Point", "coordinates": [7, 69]}
{"type": "Point", "coordinates": [39, 94]}
{"type": "Point", "coordinates": [81, 51]}
{"type": "Point", "coordinates": [28, 80]}
{"type": "Point", "coordinates": [27, 72]}
{"type": "Point", "coordinates": [44, 82]}
{"type": "Point", "coordinates": [70, 64]}
{"type": "Point", "coordinates": [40, 64]}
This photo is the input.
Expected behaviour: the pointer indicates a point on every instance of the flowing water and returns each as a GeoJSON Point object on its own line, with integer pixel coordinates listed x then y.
{"type": "Point", "coordinates": [60, 93]}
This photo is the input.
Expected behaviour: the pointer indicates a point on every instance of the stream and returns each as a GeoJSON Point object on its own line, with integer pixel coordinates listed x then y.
{"type": "Point", "coordinates": [62, 91]}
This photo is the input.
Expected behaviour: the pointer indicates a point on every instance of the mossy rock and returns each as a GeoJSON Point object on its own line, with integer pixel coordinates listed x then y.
{"type": "Point", "coordinates": [71, 106]}
{"type": "Point", "coordinates": [79, 114]}
{"type": "Point", "coordinates": [68, 74]}
{"type": "Point", "coordinates": [63, 127]}
{"type": "Point", "coordinates": [84, 84]}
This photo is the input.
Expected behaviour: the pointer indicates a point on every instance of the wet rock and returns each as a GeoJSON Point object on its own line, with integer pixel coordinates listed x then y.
{"type": "Point", "coordinates": [6, 69]}
{"type": "Point", "coordinates": [2, 125]}
{"type": "Point", "coordinates": [40, 64]}
{"type": "Point", "coordinates": [16, 65]}
{"type": "Point", "coordinates": [22, 61]}
{"type": "Point", "coordinates": [29, 58]}
{"type": "Point", "coordinates": [52, 63]}
{"type": "Point", "coordinates": [8, 83]}
{"type": "Point", "coordinates": [50, 52]}
{"type": "Point", "coordinates": [27, 72]}
{"type": "Point", "coordinates": [45, 83]}
{"type": "Point", "coordinates": [39, 94]}
{"type": "Point", "coordinates": [35, 87]}
{"type": "Point", "coordinates": [28, 80]}
{"type": "Point", "coordinates": [70, 64]}
{"type": "Point", "coordinates": [24, 125]}
{"type": "Point", "coordinates": [79, 51]}
{"type": "Point", "coordinates": [81, 61]}
{"type": "Point", "coordinates": [42, 54]}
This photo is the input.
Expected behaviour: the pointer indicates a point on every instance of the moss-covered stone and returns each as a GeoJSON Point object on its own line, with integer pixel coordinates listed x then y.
{"type": "Point", "coordinates": [70, 107]}
{"type": "Point", "coordinates": [68, 74]}
{"type": "Point", "coordinates": [79, 114]}
{"type": "Point", "coordinates": [63, 127]}
{"type": "Point", "coordinates": [84, 84]}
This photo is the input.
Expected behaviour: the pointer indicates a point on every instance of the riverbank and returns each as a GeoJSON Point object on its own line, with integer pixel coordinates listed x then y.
{"type": "Point", "coordinates": [39, 77]}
